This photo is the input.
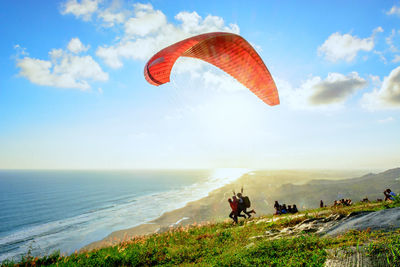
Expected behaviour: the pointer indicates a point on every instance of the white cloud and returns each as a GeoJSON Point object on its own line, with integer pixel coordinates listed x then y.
{"type": "Point", "coordinates": [395, 10]}
{"type": "Point", "coordinates": [110, 18]}
{"type": "Point", "coordinates": [140, 49]}
{"type": "Point", "coordinates": [83, 9]}
{"type": "Point", "coordinates": [148, 32]}
{"type": "Point", "coordinates": [396, 59]}
{"type": "Point", "coordinates": [336, 88]}
{"type": "Point", "coordinates": [317, 93]}
{"type": "Point", "coordinates": [388, 96]}
{"type": "Point", "coordinates": [76, 46]}
{"type": "Point", "coordinates": [390, 43]}
{"type": "Point", "coordinates": [63, 70]}
{"type": "Point", "coordinates": [86, 8]}
{"type": "Point", "coordinates": [192, 23]}
{"type": "Point", "coordinates": [345, 47]}
{"type": "Point", "coordinates": [146, 21]}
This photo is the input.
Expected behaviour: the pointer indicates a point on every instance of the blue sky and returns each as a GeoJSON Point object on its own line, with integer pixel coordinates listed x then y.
{"type": "Point", "coordinates": [73, 95]}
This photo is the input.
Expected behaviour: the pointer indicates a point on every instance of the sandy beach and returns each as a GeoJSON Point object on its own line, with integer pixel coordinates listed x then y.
{"type": "Point", "coordinates": [263, 187]}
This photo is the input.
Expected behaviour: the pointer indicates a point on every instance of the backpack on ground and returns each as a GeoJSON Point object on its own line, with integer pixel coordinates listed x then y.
{"type": "Point", "coordinates": [246, 202]}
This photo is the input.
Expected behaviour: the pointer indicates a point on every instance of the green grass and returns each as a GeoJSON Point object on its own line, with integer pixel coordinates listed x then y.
{"type": "Point", "coordinates": [225, 244]}
{"type": "Point", "coordinates": [387, 245]}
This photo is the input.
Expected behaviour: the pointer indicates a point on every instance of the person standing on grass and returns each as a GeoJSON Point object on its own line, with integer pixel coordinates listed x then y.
{"type": "Point", "coordinates": [244, 203]}
{"type": "Point", "coordinates": [234, 207]}
{"type": "Point", "coordinates": [234, 203]}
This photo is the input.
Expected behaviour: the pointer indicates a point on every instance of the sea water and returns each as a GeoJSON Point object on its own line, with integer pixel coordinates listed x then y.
{"type": "Point", "coordinates": [46, 211]}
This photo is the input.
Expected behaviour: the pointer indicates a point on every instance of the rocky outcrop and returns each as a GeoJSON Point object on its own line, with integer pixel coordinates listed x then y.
{"type": "Point", "coordinates": [335, 224]}
{"type": "Point", "coordinates": [312, 225]}
{"type": "Point", "coordinates": [385, 220]}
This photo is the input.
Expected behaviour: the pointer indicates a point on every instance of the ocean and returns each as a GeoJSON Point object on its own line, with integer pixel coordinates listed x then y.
{"type": "Point", "coordinates": [46, 211]}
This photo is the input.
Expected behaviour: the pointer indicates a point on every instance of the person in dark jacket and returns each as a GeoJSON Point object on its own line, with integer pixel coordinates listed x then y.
{"type": "Point", "coordinates": [234, 207]}
{"type": "Point", "coordinates": [277, 208]}
{"type": "Point", "coordinates": [294, 209]}
{"type": "Point", "coordinates": [289, 209]}
{"type": "Point", "coordinates": [235, 213]}
{"type": "Point", "coordinates": [242, 205]}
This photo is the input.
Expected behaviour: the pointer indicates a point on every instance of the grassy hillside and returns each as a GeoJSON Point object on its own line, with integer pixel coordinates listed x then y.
{"type": "Point", "coordinates": [302, 187]}
{"type": "Point", "coordinates": [226, 244]}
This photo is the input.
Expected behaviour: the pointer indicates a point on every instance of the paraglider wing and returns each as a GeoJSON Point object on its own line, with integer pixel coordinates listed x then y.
{"type": "Point", "coordinates": [227, 51]}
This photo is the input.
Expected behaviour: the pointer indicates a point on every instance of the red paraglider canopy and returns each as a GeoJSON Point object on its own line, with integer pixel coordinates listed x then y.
{"type": "Point", "coordinates": [227, 51]}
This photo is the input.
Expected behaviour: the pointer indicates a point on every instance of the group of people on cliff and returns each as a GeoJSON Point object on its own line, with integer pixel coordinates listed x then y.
{"type": "Point", "coordinates": [282, 209]}
{"type": "Point", "coordinates": [342, 202]}
{"type": "Point", "coordinates": [239, 204]}
{"type": "Point", "coordinates": [389, 196]}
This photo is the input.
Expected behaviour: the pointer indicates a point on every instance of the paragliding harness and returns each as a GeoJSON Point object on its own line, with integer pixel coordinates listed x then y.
{"type": "Point", "coordinates": [246, 202]}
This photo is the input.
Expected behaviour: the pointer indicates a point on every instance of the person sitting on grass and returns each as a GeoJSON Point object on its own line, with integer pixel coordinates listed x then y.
{"type": "Point", "coordinates": [277, 208]}
{"type": "Point", "coordinates": [284, 209]}
{"type": "Point", "coordinates": [289, 209]}
{"type": "Point", "coordinates": [294, 209]}
{"type": "Point", "coordinates": [389, 195]}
